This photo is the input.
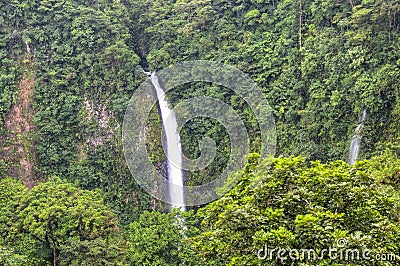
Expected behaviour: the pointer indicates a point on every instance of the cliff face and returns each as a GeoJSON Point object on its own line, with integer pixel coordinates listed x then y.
{"type": "Point", "coordinates": [19, 148]}
{"type": "Point", "coordinates": [65, 121]}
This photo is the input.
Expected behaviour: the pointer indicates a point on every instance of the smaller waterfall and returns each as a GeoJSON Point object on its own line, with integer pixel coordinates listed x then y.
{"type": "Point", "coordinates": [173, 147]}
{"type": "Point", "coordinates": [356, 140]}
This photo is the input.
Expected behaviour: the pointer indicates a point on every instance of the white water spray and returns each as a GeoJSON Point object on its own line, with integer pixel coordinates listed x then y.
{"type": "Point", "coordinates": [356, 140]}
{"type": "Point", "coordinates": [173, 148]}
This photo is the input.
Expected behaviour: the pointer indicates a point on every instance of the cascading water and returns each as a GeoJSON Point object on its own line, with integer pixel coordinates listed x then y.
{"type": "Point", "coordinates": [173, 148]}
{"type": "Point", "coordinates": [356, 140]}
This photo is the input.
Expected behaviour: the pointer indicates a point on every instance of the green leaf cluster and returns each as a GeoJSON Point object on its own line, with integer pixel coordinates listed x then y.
{"type": "Point", "coordinates": [290, 203]}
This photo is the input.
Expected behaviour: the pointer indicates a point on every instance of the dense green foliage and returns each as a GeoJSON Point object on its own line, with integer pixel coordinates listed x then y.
{"type": "Point", "coordinates": [57, 222]}
{"type": "Point", "coordinates": [157, 240]}
{"type": "Point", "coordinates": [85, 74]}
{"type": "Point", "coordinates": [289, 203]}
{"type": "Point", "coordinates": [320, 63]}
{"type": "Point", "coordinates": [281, 203]}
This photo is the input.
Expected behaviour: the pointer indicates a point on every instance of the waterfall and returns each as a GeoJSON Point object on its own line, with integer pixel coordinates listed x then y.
{"type": "Point", "coordinates": [356, 140]}
{"type": "Point", "coordinates": [173, 148]}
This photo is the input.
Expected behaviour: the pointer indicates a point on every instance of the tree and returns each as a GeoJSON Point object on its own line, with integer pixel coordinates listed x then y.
{"type": "Point", "coordinates": [63, 225]}
{"type": "Point", "coordinates": [157, 239]}
{"type": "Point", "coordinates": [289, 203]}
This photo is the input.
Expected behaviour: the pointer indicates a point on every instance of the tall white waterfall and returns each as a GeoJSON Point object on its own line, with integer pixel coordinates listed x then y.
{"type": "Point", "coordinates": [356, 140]}
{"type": "Point", "coordinates": [173, 148]}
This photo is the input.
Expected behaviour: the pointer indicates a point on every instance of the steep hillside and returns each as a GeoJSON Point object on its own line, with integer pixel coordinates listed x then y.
{"type": "Point", "coordinates": [319, 63]}
{"type": "Point", "coordinates": [84, 73]}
